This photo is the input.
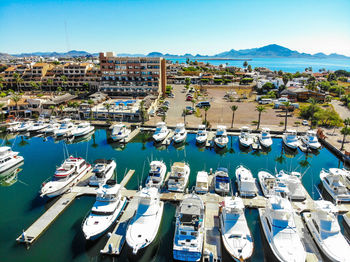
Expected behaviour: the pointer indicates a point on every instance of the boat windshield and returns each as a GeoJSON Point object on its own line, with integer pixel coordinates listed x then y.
{"type": "Point", "coordinates": [102, 213]}
{"type": "Point", "coordinates": [60, 178]}
{"type": "Point", "coordinates": [63, 126]}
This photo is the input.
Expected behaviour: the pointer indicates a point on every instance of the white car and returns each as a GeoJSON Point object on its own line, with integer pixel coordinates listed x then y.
{"type": "Point", "coordinates": [305, 123]}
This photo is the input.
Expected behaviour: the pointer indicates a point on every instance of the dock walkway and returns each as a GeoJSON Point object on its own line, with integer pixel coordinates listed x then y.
{"type": "Point", "coordinates": [167, 140]}
{"type": "Point", "coordinates": [210, 142]}
{"type": "Point", "coordinates": [46, 219]}
{"type": "Point", "coordinates": [116, 240]}
{"type": "Point", "coordinates": [131, 136]}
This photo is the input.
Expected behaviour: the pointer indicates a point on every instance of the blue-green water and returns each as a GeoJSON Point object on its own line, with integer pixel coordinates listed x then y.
{"type": "Point", "coordinates": [290, 65]}
{"type": "Point", "coordinates": [64, 240]}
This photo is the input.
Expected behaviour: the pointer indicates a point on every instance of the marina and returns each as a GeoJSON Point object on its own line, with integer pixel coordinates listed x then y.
{"type": "Point", "coordinates": [114, 241]}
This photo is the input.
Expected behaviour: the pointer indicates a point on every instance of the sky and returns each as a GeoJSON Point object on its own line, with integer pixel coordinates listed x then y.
{"type": "Point", "coordinates": [177, 27]}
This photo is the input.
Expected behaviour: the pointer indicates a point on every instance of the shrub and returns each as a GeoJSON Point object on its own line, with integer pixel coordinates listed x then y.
{"type": "Point", "coordinates": [281, 123]}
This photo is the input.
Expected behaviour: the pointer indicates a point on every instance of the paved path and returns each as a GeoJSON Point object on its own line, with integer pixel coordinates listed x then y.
{"type": "Point", "coordinates": [343, 111]}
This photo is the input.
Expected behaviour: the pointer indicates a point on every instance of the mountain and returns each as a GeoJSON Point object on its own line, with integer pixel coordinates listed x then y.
{"type": "Point", "coordinates": [268, 51]}
{"type": "Point", "coordinates": [5, 56]}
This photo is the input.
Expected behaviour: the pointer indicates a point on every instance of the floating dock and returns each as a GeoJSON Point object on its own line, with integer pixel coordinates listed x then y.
{"type": "Point", "coordinates": [127, 177]}
{"type": "Point", "coordinates": [167, 140]}
{"type": "Point", "coordinates": [116, 240]}
{"type": "Point", "coordinates": [210, 142]}
{"type": "Point", "coordinates": [131, 136]}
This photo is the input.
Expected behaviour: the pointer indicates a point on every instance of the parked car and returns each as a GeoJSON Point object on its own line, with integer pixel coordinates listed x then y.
{"type": "Point", "coordinates": [203, 104]}
{"type": "Point", "coordinates": [190, 110]}
{"type": "Point", "coordinates": [189, 98]}
{"type": "Point", "coordinates": [305, 123]}
{"type": "Point", "coordinates": [171, 95]}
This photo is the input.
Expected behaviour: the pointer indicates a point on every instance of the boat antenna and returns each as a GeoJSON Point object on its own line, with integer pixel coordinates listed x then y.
{"type": "Point", "coordinates": [143, 169]}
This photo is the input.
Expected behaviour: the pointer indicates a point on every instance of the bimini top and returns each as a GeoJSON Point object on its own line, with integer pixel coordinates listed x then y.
{"type": "Point", "coordinates": [192, 205]}
{"type": "Point", "coordinates": [5, 149]}
{"type": "Point", "coordinates": [223, 169]}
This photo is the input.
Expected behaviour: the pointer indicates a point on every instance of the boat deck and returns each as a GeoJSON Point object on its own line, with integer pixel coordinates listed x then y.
{"type": "Point", "coordinates": [116, 240]}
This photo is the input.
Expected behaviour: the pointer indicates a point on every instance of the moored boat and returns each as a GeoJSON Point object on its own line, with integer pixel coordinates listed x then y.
{"type": "Point", "coordinates": [290, 139]}
{"type": "Point", "coordinates": [82, 129]}
{"type": "Point", "coordinates": [246, 182]}
{"type": "Point", "coordinates": [235, 232]}
{"type": "Point", "coordinates": [245, 137]}
{"type": "Point", "coordinates": [333, 183]}
{"type": "Point", "coordinates": [222, 181]}
{"type": "Point", "coordinates": [105, 211]}
{"type": "Point", "coordinates": [8, 159]}
{"type": "Point", "coordinates": [180, 133]}
{"type": "Point", "coordinates": [102, 171]}
{"type": "Point", "coordinates": [202, 182]}
{"type": "Point", "coordinates": [221, 138]}
{"type": "Point", "coordinates": [189, 229]}
{"type": "Point", "coordinates": [310, 140]}
{"type": "Point", "coordinates": [66, 128]}
{"type": "Point", "coordinates": [270, 185]}
{"type": "Point", "coordinates": [161, 132]}
{"type": "Point", "coordinates": [144, 225]}
{"type": "Point", "coordinates": [37, 126]}
{"type": "Point", "coordinates": [120, 132]}
{"type": "Point", "coordinates": [265, 137]}
{"type": "Point", "coordinates": [156, 174]}
{"type": "Point", "coordinates": [179, 177]}
{"type": "Point", "coordinates": [202, 134]}
{"type": "Point", "coordinates": [292, 181]}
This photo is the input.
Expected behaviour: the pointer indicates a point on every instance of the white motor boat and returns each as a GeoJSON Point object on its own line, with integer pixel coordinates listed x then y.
{"type": "Point", "coordinates": [156, 174]}
{"type": "Point", "coordinates": [245, 137]}
{"type": "Point", "coordinates": [52, 128]}
{"type": "Point", "coordinates": [270, 185]}
{"type": "Point", "coordinates": [202, 134]}
{"type": "Point", "coordinates": [9, 159]}
{"type": "Point", "coordinates": [25, 126]}
{"type": "Point", "coordinates": [235, 232]}
{"type": "Point", "coordinates": [221, 138]}
{"type": "Point", "coordinates": [180, 133]}
{"type": "Point", "coordinates": [37, 126]}
{"type": "Point", "coordinates": [290, 139]}
{"type": "Point", "coordinates": [278, 225]}
{"type": "Point", "coordinates": [222, 181]}
{"type": "Point", "coordinates": [310, 140]}
{"type": "Point", "coordinates": [246, 182]}
{"type": "Point", "coordinates": [66, 128]}
{"type": "Point", "coordinates": [66, 176]}
{"type": "Point", "coordinates": [202, 182]}
{"type": "Point", "coordinates": [325, 230]}
{"type": "Point", "coordinates": [333, 183]}
{"type": "Point", "coordinates": [102, 172]}
{"type": "Point", "coordinates": [189, 229]}
{"type": "Point", "coordinates": [13, 126]}
{"type": "Point", "coordinates": [161, 132]}
{"type": "Point", "coordinates": [179, 177]}
{"type": "Point", "coordinates": [144, 225]}
{"type": "Point", "coordinates": [345, 174]}
{"type": "Point", "coordinates": [265, 137]}
{"type": "Point", "coordinates": [82, 129]}
{"type": "Point", "coordinates": [105, 211]}
{"type": "Point", "coordinates": [292, 181]}
{"type": "Point", "coordinates": [120, 132]}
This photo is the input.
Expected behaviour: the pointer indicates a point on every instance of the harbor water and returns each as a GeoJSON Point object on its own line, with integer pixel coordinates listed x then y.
{"type": "Point", "coordinates": [64, 241]}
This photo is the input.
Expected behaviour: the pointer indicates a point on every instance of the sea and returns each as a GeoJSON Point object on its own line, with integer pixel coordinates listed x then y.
{"type": "Point", "coordinates": [290, 65]}
{"type": "Point", "coordinates": [21, 204]}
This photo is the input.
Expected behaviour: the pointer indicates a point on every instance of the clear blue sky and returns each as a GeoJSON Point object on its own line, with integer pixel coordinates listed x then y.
{"type": "Point", "coordinates": [181, 26]}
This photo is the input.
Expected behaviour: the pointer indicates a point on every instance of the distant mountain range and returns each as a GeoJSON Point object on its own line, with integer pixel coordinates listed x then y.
{"type": "Point", "coordinates": [269, 51]}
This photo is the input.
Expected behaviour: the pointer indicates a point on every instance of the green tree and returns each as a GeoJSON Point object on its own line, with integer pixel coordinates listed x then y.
{"type": "Point", "coordinates": [1, 113]}
{"type": "Point", "coordinates": [52, 109]}
{"type": "Point", "coordinates": [260, 110]}
{"type": "Point", "coordinates": [184, 113]}
{"type": "Point", "coordinates": [61, 107]}
{"type": "Point", "coordinates": [245, 64]}
{"type": "Point", "coordinates": [16, 98]}
{"type": "Point", "coordinates": [18, 79]}
{"type": "Point", "coordinates": [142, 111]}
{"type": "Point", "coordinates": [287, 105]}
{"type": "Point", "coordinates": [234, 109]}
{"type": "Point", "coordinates": [206, 108]}
{"type": "Point", "coordinates": [187, 81]}
{"type": "Point", "coordinates": [332, 77]}
{"type": "Point", "coordinates": [59, 89]}
{"type": "Point", "coordinates": [345, 132]}
{"type": "Point", "coordinates": [49, 83]}
{"type": "Point", "coordinates": [90, 103]}
{"type": "Point", "coordinates": [285, 79]}
{"type": "Point", "coordinates": [108, 107]}
{"type": "Point", "coordinates": [250, 68]}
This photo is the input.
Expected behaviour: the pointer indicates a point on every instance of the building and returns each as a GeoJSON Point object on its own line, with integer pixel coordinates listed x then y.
{"type": "Point", "coordinates": [132, 76]}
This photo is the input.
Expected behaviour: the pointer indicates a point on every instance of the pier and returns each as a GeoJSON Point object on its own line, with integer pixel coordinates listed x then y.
{"type": "Point", "coordinates": [131, 136]}
{"type": "Point", "coordinates": [210, 142]}
{"type": "Point", "coordinates": [167, 140]}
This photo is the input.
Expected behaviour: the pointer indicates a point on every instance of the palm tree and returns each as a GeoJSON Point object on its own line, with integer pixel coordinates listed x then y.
{"type": "Point", "coordinates": [184, 113]}
{"type": "Point", "coordinates": [345, 131]}
{"type": "Point", "coordinates": [64, 80]}
{"type": "Point", "coordinates": [18, 79]}
{"type": "Point", "coordinates": [91, 103]}
{"type": "Point", "coordinates": [49, 82]}
{"type": "Point", "coordinates": [16, 98]}
{"type": "Point", "coordinates": [61, 107]}
{"type": "Point", "coordinates": [260, 110]}
{"type": "Point", "coordinates": [234, 109]}
{"type": "Point", "coordinates": [313, 106]}
{"type": "Point", "coordinates": [206, 108]}
{"type": "Point", "coordinates": [52, 109]}
{"type": "Point", "coordinates": [346, 122]}
{"type": "Point", "coordinates": [193, 102]}
{"type": "Point", "coordinates": [108, 107]}
{"type": "Point", "coordinates": [286, 105]}
{"type": "Point", "coordinates": [2, 115]}
{"type": "Point", "coordinates": [142, 111]}
{"type": "Point", "coordinates": [59, 89]}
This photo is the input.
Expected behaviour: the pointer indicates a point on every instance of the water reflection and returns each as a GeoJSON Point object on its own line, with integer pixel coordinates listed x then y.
{"type": "Point", "coordinates": [10, 176]}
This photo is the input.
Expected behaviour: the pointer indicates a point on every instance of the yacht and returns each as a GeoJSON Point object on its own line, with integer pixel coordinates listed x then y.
{"type": "Point", "coordinates": [270, 185]}
{"type": "Point", "coordinates": [66, 176]}
{"type": "Point", "coordinates": [290, 139]}
{"type": "Point", "coordinates": [310, 140]}
{"type": "Point", "coordinates": [161, 132]}
{"type": "Point", "coordinates": [105, 211]}
{"type": "Point", "coordinates": [277, 221]}
{"type": "Point", "coordinates": [180, 133]}
{"type": "Point", "coordinates": [246, 182]}
{"type": "Point", "coordinates": [202, 134]}
{"type": "Point", "coordinates": [333, 183]}
{"type": "Point", "coordinates": [179, 177]}
{"type": "Point", "coordinates": [235, 232]}
{"type": "Point", "coordinates": [245, 137]}
{"type": "Point", "coordinates": [120, 132]}
{"type": "Point", "coordinates": [221, 138]}
{"type": "Point", "coordinates": [323, 225]}
{"type": "Point", "coordinates": [102, 172]}
{"type": "Point", "coordinates": [52, 128]}
{"type": "Point", "coordinates": [66, 128]}
{"type": "Point", "coordinates": [25, 126]}
{"type": "Point", "coordinates": [37, 126]}
{"type": "Point", "coordinates": [144, 225]}
{"type": "Point", "coordinates": [156, 174]}
{"type": "Point", "coordinates": [292, 181]}
{"type": "Point", "coordinates": [9, 159]}
{"type": "Point", "coordinates": [345, 174]}
{"type": "Point", "coordinates": [13, 126]}
{"type": "Point", "coordinates": [189, 229]}
{"type": "Point", "coordinates": [265, 137]}
{"type": "Point", "coordinates": [82, 129]}
{"type": "Point", "coordinates": [222, 181]}
{"type": "Point", "coordinates": [202, 182]}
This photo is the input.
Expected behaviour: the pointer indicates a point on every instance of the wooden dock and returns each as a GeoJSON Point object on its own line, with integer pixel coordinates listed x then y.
{"type": "Point", "coordinates": [131, 136]}
{"type": "Point", "coordinates": [212, 241]}
{"type": "Point", "coordinates": [167, 140]}
{"type": "Point", "coordinates": [210, 142]}
{"type": "Point", "coordinates": [116, 240]}
{"type": "Point", "coordinates": [127, 177]}
{"type": "Point", "coordinates": [46, 219]}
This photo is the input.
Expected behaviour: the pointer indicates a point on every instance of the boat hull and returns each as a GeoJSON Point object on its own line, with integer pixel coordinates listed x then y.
{"type": "Point", "coordinates": [18, 160]}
